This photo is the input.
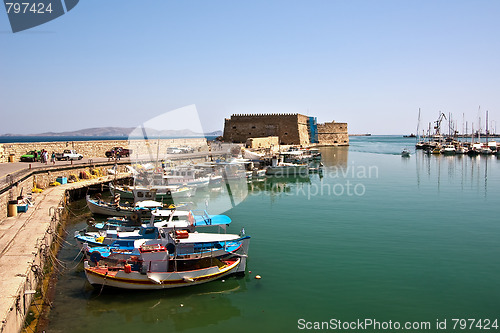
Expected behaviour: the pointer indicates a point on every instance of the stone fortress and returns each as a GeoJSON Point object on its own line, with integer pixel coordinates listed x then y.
{"type": "Point", "coordinates": [290, 129]}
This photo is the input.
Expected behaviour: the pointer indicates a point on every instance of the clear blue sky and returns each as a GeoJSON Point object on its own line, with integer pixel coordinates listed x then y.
{"type": "Point", "coordinates": [369, 63]}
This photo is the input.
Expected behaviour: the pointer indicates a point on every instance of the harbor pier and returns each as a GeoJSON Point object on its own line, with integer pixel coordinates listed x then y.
{"type": "Point", "coordinates": [27, 239]}
{"type": "Point", "coordinates": [26, 249]}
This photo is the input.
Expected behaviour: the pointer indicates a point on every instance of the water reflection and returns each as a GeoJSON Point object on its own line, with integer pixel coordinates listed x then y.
{"type": "Point", "coordinates": [465, 171]}
{"type": "Point", "coordinates": [208, 304]}
{"type": "Point", "coordinates": [334, 156]}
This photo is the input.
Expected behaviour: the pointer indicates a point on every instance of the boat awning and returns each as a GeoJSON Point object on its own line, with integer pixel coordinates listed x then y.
{"type": "Point", "coordinates": [148, 204]}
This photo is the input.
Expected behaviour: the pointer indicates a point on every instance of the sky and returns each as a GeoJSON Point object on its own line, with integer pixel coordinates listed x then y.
{"type": "Point", "coordinates": [371, 64]}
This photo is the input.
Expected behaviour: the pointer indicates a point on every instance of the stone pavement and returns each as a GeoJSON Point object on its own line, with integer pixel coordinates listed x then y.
{"type": "Point", "coordinates": [24, 242]}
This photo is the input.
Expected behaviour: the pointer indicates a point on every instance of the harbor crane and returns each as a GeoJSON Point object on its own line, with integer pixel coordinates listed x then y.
{"type": "Point", "coordinates": [437, 127]}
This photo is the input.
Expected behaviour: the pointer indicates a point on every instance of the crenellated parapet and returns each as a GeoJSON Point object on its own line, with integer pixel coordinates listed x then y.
{"type": "Point", "coordinates": [290, 128]}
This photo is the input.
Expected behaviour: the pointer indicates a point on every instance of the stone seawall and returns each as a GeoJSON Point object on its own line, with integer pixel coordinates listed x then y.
{"type": "Point", "coordinates": [92, 149]}
{"type": "Point", "coordinates": [42, 178]}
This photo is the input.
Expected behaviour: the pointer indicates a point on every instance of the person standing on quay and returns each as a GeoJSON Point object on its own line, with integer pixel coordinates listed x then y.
{"type": "Point", "coordinates": [53, 158]}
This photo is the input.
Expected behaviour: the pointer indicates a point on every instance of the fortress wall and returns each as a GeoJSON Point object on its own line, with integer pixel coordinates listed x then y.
{"type": "Point", "coordinates": [290, 128]}
{"type": "Point", "coordinates": [333, 134]}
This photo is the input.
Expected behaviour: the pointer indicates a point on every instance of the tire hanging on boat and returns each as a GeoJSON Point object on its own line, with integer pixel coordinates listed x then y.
{"type": "Point", "coordinates": [135, 217]}
{"type": "Point", "coordinates": [170, 248]}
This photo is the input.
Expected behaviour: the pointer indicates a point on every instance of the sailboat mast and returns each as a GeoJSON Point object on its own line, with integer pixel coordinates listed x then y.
{"type": "Point", "coordinates": [463, 122]}
{"type": "Point", "coordinates": [486, 127]}
{"type": "Point", "coordinates": [418, 126]}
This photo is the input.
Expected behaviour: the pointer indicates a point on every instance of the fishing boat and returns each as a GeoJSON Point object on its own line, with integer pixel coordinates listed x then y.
{"type": "Point", "coordinates": [280, 168]}
{"type": "Point", "coordinates": [160, 192]}
{"type": "Point", "coordinates": [160, 224]}
{"type": "Point", "coordinates": [153, 270]}
{"type": "Point", "coordinates": [313, 154]}
{"type": "Point", "coordinates": [405, 153]}
{"type": "Point", "coordinates": [436, 150]}
{"type": "Point", "coordinates": [461, 150]}
{"type": "Point", "coordinates": [208, 246]}
{"type": "Point", "coordinates": [115, 208]}
{"type": "Point", "coordinates": [485, 150]}
{"type": "Point", "coordinates": [474, 150]}
{"type": "Point", "coordinates": [287, 169]}
{"type": "Point", "coordinates": [165, 218]}
{"type": "Point", "coordinates": [186, 176]}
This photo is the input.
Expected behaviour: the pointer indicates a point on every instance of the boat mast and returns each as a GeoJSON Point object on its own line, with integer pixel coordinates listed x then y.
{"type": "Point", "coordinates": [472, 135]}
{"type": "Point", "coordinates": [463, 122]}
{"type": "Point", "coordinates": [479, 130]}
{"type": "Point", "coordinates": [418, 126]}
{"type": "Point", "coordinates": [486, 127]}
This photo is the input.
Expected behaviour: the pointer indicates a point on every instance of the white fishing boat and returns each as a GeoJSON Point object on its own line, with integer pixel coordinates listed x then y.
{"type": "Point", "coordinates": [448, 150]}
{"type": "Point", "coordinates": [405, 153]}
{"type": "Point", "coordinates": [288, 169]}
{"type": "Point", "coordinates": [186, 176]}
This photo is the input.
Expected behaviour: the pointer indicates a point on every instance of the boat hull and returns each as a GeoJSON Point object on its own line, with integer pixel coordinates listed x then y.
{"type": "Point", "coordinates": [103, 276]}
{"type": "Point", "coordinates": [101, 209]}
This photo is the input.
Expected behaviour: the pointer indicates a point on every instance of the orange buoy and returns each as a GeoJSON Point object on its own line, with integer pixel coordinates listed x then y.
{"type": "Point", "coordinates": [258, 277]}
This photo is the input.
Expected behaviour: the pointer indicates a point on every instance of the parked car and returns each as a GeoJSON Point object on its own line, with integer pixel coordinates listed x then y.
{"type": "Point", "coordinates": [122, 152]}
{"type": "Point", "coordinates": [187, 149]}
{"type": "Point", "coordinates": [174, 150]}
{"type": "Point", "coordinates": [68, 155]}
{"type": "Point", "coordinates": [179, 150]}
{"type": "Point", "coordinates": [30, 156]}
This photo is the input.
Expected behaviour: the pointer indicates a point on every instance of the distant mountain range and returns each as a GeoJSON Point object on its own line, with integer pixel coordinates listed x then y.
{"type": "Point", "coordinates": [122, 131]}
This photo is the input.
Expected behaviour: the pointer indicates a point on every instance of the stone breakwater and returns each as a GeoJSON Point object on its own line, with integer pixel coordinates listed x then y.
{"type": "Point", "coordinates": [92, 149]}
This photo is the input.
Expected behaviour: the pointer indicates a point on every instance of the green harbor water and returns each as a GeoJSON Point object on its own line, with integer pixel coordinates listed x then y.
{"type": "Point", "coordinates": [376, 236]}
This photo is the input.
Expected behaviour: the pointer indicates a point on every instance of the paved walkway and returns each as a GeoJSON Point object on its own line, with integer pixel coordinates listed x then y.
{"type": "Point", "coordinates": [21, 250]}
{"type": "Point", "coordinates": [8, 168]}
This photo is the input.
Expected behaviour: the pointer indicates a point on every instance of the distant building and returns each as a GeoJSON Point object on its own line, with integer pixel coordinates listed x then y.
{"type": "Point", "coordinates": [291, 129]}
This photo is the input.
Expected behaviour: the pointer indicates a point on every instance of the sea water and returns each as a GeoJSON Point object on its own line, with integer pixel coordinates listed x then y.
{"type": "Point", "coordinates": [376, 238]}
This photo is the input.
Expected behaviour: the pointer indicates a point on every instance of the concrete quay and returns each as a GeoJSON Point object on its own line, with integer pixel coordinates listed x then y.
{"type": "Point", "coordinates": [25, 243]}
{"type": "Point", "coordinates": [26, 239]}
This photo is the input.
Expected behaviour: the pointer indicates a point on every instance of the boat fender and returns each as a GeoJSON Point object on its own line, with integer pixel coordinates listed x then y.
{"type": "Point", "coordinates": [127, 268]}
{"type": "Point", "coordinates": [171, 248]}
{"type": "Point", "coordinates": [118, 209]}
{"type": "Point", "coordinates": [187, 279]}
{"type": "Point", "coordinates": [91, 222]}
{"type": "Point", "coordinates": [95, 257]}
{"type": "Point", "coordinates": [169, 192]}
{"type": "Point", "coordinates": [134, 217]}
